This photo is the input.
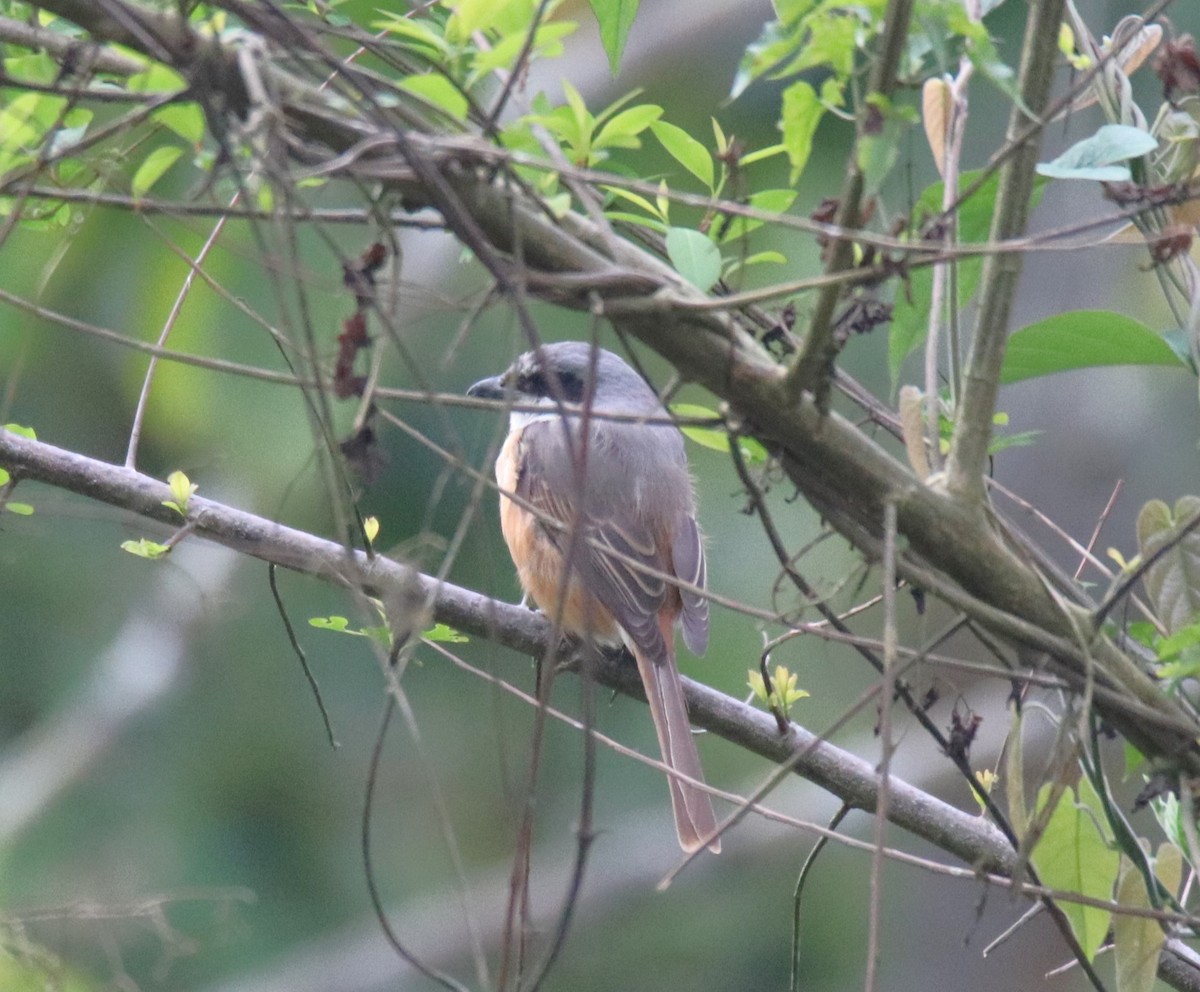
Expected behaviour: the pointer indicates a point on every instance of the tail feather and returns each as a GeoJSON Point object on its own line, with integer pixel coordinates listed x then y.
{"type": "Point", "coordinates": [694, 816]}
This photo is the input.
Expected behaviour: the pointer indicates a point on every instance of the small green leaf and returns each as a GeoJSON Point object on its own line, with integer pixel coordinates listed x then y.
{"type": "Point", "coordinates": [4, 477]}
{"type": "Point", "coordinates": [21, 509]}
{"type": "Point", "coordinates": [715, 438]}
{"type": "Point", "coordinates": [340, 625]}
{"type": "Point", "coordinates": [445, 635]}
{"type": "Point", "coordinates": [145, 549]}
{"type": "Point", "coordinates": [694, 256]}
{"type": "Point", "coordinates": [686, 150]}
{"type": "Point", "coordinates": [784, 693]}
{"type": "Point", "coordinates": [615, 18]}
{"type": "Point", "coordinates": [152, 169]}
{"type": "Point", "coordinates": [763, 153]}
{"type": "Point", "coordinates": [1083, 339]}
{"type": "Point", "coordinates": [622, 130]}
{"type": "Point", "coordinates": [182, 489]}
{"type": "Point", "coordinates": [371, 529]}
{"type": "Point", "coordinates": [1097, 157]}
{"type": "Point", "coordinates": [26, 432]}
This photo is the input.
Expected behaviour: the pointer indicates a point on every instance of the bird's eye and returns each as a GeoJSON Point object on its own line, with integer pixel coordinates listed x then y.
{"type": "Point", "coordinates": [563, 384]}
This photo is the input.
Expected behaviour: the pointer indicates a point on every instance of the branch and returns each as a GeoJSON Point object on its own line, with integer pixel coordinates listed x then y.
{"type": "Point", "coordinates": [811, 369]}
{"type": "Point", "coordinates": [968, 837]}
{"type": "Point", "coordinates": [973, 423]}
{"type": "Point", "coordinates": [70, 51]}
{"type": "Point", "coordinates": [846, 476]}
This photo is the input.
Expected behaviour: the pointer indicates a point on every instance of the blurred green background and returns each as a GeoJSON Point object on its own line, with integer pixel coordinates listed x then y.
{"type": "Point", "coordinates": [173, 817]}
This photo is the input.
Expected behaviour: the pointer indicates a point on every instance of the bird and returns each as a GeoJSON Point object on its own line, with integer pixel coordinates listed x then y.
{"type": "Point", "coordinates": [577, 484]}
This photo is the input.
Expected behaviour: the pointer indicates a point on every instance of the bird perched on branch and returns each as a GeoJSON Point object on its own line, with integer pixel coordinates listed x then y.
{"type": "Point", "coordinates": [597, 508]}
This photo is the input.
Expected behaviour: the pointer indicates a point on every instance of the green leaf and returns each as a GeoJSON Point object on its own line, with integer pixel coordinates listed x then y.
{"type": "Point", "coordinates": [1173, 581]}
{"type": "Point", "coordinates": [1185, 637]}
{"type": "Point", "coordinates": [445, 635]}
{"type": "Point", "coordinates": [1074, 856]}
{"type": "Point", "coordinates": [1138, 940]}
{"type": "Point", "coordinates": [4, 477]}
{"type": "Point", "coordinates": [340, 625]}
{"type": "Point", "coordinates": [1097, 157]}
{"type": "Point", "coordinates": [439, 91]}
{"type": "Point", "coordinates": [1083, 339]}
{"type": "Point", "coordinates": [185, 119]}
{"type": "Point", "coordinates": [715, 438]}
{"type": "Point", "coordinates": [686, 150]}
{"type": "Point", "coordinates": [157, 78]}
{"type": "Point", "coordinates": [182, 489]}
{"type": "Point", "coordinates": [26, 432]}
{"type": "Point", "coordinates": [802, 112]}
{"type": "Point", "coordinates": [615, 18]}
{"type": "Point", "coordinates": [694, 256]}
{"type": "Point", "coordinates": [417, 34]}
{"type": "Point", "coordinates": [145, 549]}
{"type": "Point", "coordinates": [152, 169]}
{"type": "Point", "coordinates": [623, 129]}
{"type": "Point", "coordinates": [20, 509]}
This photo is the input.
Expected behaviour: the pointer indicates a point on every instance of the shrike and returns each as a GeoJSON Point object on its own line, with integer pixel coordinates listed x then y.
{"type": "Point", "coordinates": [596, 498]}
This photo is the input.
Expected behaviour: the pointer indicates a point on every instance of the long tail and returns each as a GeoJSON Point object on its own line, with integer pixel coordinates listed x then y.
{"type": "Point", "coordinates": [694, 817]}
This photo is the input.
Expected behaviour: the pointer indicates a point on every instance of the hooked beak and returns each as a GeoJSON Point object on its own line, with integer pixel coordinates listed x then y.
{"type": "Point", "coordinates": [490, 389]}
